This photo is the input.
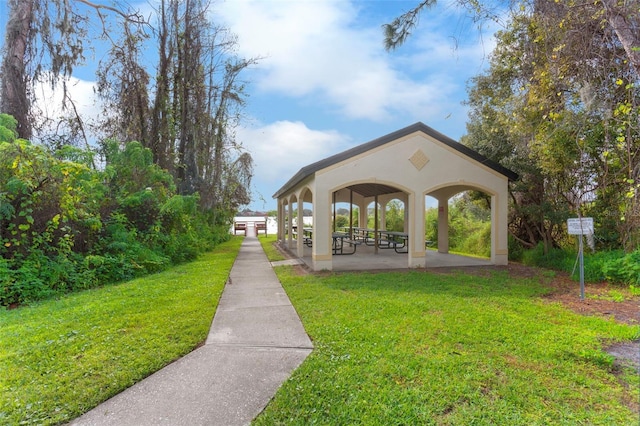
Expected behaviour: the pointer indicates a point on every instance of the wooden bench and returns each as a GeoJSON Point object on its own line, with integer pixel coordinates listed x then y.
{"type": "Point", "coordinates": [261, 226]}
{"type": "Point", "coordinates": [239, 226]}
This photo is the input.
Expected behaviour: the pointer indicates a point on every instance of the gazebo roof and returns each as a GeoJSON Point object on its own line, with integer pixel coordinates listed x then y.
{"type": "Point", "coordinates": [310, 169]}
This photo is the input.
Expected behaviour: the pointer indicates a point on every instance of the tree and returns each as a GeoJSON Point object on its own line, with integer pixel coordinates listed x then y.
{"type": "Point", "coordinates": [535, 111]}
{"type": "Point", "coordinates": [195, 110]}
{"type": "Point", "coordinates": [498, 130]}
{"type": "Point", "coordinates": [622, 18]}
{"type": "Point", "coordinates": [189, 125]}
{"type": "Point", "coordinates": [123, 86]}
{"type": "Point", "coordinates": [15, 96]}
{"type": "Point", "coordinates": [44, 41]}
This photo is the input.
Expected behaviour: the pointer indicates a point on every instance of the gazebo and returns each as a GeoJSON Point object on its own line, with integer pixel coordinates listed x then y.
{"type": "Point", "coordinates": [408, 165]}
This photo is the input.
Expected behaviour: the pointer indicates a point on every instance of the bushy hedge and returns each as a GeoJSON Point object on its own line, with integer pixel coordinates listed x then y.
{"type": "Point", "coordinates": [66, 226]}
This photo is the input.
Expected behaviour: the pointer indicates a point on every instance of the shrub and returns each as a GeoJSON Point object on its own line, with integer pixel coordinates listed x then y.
{"type": "Point", "coordinates": [516, 250]}
{"type": "Point", "coordinates": [624, 269]}
{"type": "Point", "coordinates": [431, 224]}
{"type": "Point", "coordinates": [342, 221]}
{"type": "Point", "coordinates": [478, 242]}
{"type": "Point", "coordinates": [610, 265]}
{"type": "Point", "coordinates": [24, 284]}
{"type": "Point", "coordinates": [559, 259]}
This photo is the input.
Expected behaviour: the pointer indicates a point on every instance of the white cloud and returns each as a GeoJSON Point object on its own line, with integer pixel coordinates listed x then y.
{"type": "Point", "coordinates": [280, 149]}
{"type": "Point", "coordinates": [80, 94]}
{"type": "Point", "coordinates": [322, 48]}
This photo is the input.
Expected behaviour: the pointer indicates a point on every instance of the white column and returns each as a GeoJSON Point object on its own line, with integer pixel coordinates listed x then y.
{"type": "Point", "coordinates": [300, 242]}
{"type": "Point", "coordinates": [414, 225]}
{"type": "Point", "coordinates": [289, 225]}
{"type": "Point", "coordinates": [280, 221]}
{"type": "Point", "coordinates": [321, 252]}
{"type": "Point", "coordinates": [499, 228]}
{"type": "Point", "coordinates": [443, 225]}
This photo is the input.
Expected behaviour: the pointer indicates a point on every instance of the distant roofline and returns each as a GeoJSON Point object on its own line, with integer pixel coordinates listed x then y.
{"type": "Point", "coordinates": [310, 169]}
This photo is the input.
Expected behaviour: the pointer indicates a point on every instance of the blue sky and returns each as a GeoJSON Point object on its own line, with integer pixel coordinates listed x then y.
{"type": "Point", "coordinates": [325, 83]}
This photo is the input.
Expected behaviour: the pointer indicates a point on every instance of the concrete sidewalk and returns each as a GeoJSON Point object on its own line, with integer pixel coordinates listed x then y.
{"type": "Point", "coordinates": [255, 342]}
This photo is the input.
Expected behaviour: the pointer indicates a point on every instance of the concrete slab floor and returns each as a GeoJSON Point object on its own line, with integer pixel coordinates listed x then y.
{"type": "Point", "coordinates": [365, 259]}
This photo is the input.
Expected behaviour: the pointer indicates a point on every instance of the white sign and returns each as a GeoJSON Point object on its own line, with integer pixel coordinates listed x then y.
{"type": "Point", "coordinates": [580, 226]}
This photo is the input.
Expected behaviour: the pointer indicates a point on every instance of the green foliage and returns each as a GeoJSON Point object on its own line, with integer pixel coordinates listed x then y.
{"type": "Point", "coordinates": [341, 221]}
{"type": "Point", "coordinates": [431, 224]}
{"type": "Point", "coordinates": [131, 170]}
{"type": "Point", "coordinates": [516, 250]}
{"type": "Point", "coordinates": [394, 216]}
{"type": "Point", "coordinates": [613, 265]}
{"type": "Point", "coordinates": [478, 242]}
{"type": "Point", "coordinates": [469, 231]}
{"type": "Point", "coordinates": [469, 225]}
{"type": "Point", "coordinates": [568, 128]}
{"type": "Point", "coordinates": [8, 126]}
{"type": "Point", "coordinates": [558, 259]}
{"type": "Point", "coordinates": [625, 269]}
{"type": "Point", "coordinates": [65, 226]}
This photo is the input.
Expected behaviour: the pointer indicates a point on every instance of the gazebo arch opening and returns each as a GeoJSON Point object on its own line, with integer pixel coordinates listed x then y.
{"type": "Point", "coordinates": [395, 215]}
{"type": "Point", "coordinates": [359, 210]}
{"type": "Point", "coordinates": [303, 224]}
{"type": "Point", "coordinates": [489, 231]}
{"type": "Point", "coordinates": [468, 224]}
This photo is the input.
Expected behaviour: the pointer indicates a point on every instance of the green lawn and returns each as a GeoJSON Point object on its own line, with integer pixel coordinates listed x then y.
{"type": "Point", "coordinates": [410, 348]}
{"type": "Point", "coordinates": [60, 358]}
{"type": "Point", "coordinates": [390, 349]}
{"type": "Point", "coordinates": [267, 244]}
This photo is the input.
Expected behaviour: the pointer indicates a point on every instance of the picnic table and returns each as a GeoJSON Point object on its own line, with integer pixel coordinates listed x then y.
{"type": "Point", "coordinates": [399, 241]}
{"type": "Point", "coordinates": [341, 240]}
{"type": "Point", "coordinates": [306, 235]}
{"type": "Point", "coordinates": [342, 243]}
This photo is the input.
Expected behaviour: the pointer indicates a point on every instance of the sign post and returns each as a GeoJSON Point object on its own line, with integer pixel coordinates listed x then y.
{"type": "Point", "coordinates": [580, 226]}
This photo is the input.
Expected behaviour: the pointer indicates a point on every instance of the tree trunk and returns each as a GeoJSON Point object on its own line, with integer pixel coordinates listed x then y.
{"type": "Point", "coordinates": [629, 38]}
{"type": "Point", "coordinates": [14, 98]}
{"type": "Point", "coordinates": [160, 133]}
